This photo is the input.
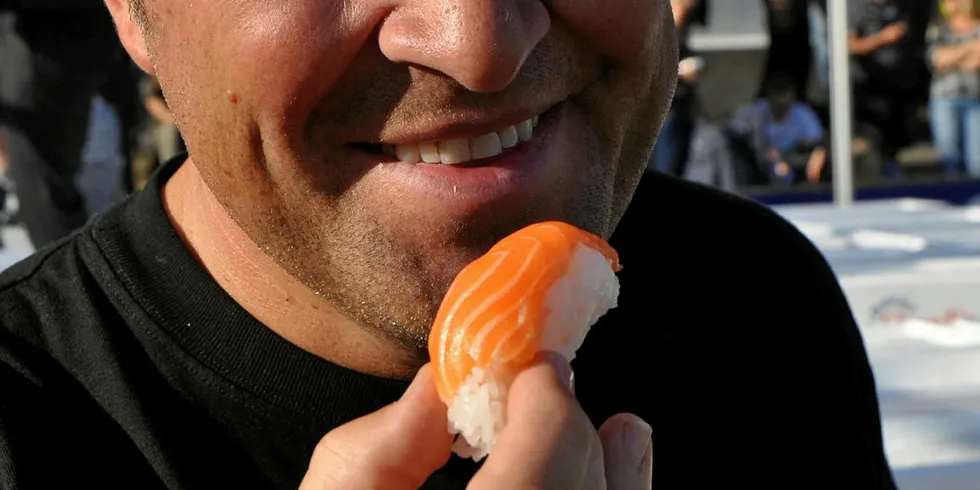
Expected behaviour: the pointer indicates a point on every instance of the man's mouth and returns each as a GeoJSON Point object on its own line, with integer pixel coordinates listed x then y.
{"type": "Point", "coordinates": [452, 165]}
{"type": "Point", "coordinates": [459, 151]}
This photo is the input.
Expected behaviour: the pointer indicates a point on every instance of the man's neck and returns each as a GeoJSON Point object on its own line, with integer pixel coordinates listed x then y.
{"type": "Point", "coordinates": [268, 292]}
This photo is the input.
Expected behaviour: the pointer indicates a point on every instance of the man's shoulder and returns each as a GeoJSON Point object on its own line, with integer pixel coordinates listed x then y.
{"type": "Point", "coordinates": [23, 270]}
{"type": "Point", "coordinates": [62, 284]}
{"type": "Point", "coordinates": [732, 326]}
{"type": "Point", "coordinates": [696, 255]}
{"type": "Point", "coordinates": [33, 291]}
{"type": "Point", "coordinates": [671, 217]}
{"type": "Point", "coordinates": [61, 360]}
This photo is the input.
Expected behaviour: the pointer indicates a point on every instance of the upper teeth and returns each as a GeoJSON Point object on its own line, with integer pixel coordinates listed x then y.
{"type": "Point", "coordinates": [461, 150]}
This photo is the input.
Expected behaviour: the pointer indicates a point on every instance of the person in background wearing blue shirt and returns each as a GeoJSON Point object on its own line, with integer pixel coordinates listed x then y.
{"type": "Point", "coordinates": [782, 135]}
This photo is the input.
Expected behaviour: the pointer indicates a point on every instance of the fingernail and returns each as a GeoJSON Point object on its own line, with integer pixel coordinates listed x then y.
{"type": "Point", "coordinates": [563, 369]}
{"type": "Point", "coordinates": [637, 439]}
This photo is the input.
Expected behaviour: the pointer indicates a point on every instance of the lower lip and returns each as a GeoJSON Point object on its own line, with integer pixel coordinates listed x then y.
{"type": "Point", "coordinates": [486, 179]}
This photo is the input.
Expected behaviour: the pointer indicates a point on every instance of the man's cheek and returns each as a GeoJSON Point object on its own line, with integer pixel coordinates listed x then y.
{"type": "Point", "coordinates": [629, 31]}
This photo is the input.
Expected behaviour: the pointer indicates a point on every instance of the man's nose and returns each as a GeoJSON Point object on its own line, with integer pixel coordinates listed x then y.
{"type": "Point", "coordinates": [482, 44]}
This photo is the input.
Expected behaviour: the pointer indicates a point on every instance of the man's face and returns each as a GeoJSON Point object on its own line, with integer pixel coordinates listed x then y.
{"type": "Point", "coordinates": [780, 104]}
{"type": "Point", "coordinates": [296, 113]}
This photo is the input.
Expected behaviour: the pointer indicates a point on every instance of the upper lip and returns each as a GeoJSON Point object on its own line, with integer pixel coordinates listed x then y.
{"type": "Point", "coordinates": [467, 125]}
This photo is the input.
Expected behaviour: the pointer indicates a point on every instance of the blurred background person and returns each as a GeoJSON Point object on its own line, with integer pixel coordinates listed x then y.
{"type": "Point", "coordinates": [161, 139]}
{"type": "Point", "coordinates": [819, 41]}
{"type": "Point", "coordinates": [55, 55]}
{"type": "Point", "coordinates": [884, 73]}
{"type": "Point", "coordinates": [779, 136]}
{"type": "Point", "coordinates": [674, 143]}
{"type": "Point", "coordinates": [790, 54]}
{"type": "Point", "coordinates": [98, 179]}
{"type": "Point", "coordinates": [710, 159]}
{"type": "Point", "coordinates": [954, 105]}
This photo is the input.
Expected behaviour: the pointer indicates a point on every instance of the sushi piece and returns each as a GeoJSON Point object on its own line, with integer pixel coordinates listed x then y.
{"type": "Point", "coordinates": [539, 289]}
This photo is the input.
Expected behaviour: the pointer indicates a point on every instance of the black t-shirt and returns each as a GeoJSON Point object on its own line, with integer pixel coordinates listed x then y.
{"type": "Point", "coordinates": [124, 365]}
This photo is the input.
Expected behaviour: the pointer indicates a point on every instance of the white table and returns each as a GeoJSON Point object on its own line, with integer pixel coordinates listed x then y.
{"type": "Point", "coordinates": [911, 272]}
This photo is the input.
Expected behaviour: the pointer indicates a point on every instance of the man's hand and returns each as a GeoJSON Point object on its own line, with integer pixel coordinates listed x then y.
{"type": "Point", "coordinates": [681, 9]}
{"type": "Point", "coordinates": [547, 443]}
{"type": "Point", "coordinates": [688, 70]}
{"type": "Point", "coordinates": [892, 33]}
{"type": "Point", "coordinates": [815, 164]}
{"type": "Point", "coordinates": [782, 169]}
{"type": "Point", "coordinates": [550, 443]}
{"type": "Point", "coordinates": [395, 448]}
{"type": "Point", "coordinates": [3, 158]}
{"type": "Point", "coordinates": [858, 46]}
{"type": "Point", "coordinates": [773, 155]}
{"type": "Point", "coordinates": [945, 59]}
{"type": "Point", "coordinates": [969, 59]}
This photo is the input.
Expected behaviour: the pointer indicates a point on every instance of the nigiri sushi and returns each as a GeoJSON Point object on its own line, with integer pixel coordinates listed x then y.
{"type": "Point", "coordinates": [539, 289]}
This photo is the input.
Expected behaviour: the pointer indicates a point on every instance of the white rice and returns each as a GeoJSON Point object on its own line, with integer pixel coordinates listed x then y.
{"type": "Point", "coordinates": [588, 290]}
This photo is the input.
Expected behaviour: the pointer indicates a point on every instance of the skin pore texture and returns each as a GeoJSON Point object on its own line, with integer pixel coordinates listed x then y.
{"type": "Point", "coordinates": [349, 258]}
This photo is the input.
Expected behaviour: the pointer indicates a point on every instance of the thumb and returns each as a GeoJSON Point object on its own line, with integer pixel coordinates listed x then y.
{"type": "Point", "coordinates": [395, 448]}
{"type": "Point", "coordinates": [627, 453]}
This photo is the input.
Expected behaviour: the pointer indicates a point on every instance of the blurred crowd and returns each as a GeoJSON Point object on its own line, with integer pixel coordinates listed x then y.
{"type": "Point", "coordinates": [915, 68]}
{"type": "Point", "coordinates": [72, 101]}
{"type": "Point", "coordinates": [915, 77]}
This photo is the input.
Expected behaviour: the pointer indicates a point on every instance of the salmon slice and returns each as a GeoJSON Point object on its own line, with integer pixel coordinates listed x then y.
{"type": "Point", "coordinates": [540, 288]}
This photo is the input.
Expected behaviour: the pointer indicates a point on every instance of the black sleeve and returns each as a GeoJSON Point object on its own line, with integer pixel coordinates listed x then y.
{"type": "Point", "coordinates": [833, 390]}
